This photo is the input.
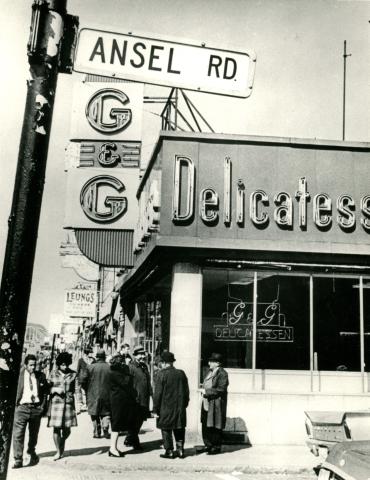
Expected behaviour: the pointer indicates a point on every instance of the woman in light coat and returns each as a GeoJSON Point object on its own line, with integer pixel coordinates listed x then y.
{"type": "Point", "coordinates": [62, 411]}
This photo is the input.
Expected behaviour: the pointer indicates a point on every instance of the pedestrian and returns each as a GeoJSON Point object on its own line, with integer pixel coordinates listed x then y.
{"type": "Point", "coordinates": [24, 353]}
{"type": "Point", "coordinates": [62, 411]}
{"type": "Point", "coordinates": [141, 378]}
{"type": "Point", "coordinates": [85, 360]}
{"type": "Point", "coordinates": [122, 398]}
{"type": "Point", "coordinates": [170, 400]}
{"type": "Point", "coordinates": [41, 362]}
{"type": "Point", "coordinates": [30, 406]}
{"type": "Point", "coordinates": [214, 403]}
{"type": "Point", "coordinates": [125, 352]}
{"type": "Point", "coordinates": [157, 365]}
{"type": "Point", "coordinates": [94, 381]}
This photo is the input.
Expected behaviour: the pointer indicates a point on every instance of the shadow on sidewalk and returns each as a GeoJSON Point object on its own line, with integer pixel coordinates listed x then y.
{"type": "Point", "coordinates": [76, 453]}
{"type": "Point", "coordinates": [147, 447]}
{"type": "Point", "coordinates": [200, 449]}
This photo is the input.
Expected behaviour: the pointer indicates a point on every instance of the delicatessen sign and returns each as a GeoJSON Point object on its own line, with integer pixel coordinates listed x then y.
{"type": "Point", "coordinates": [264, 195]}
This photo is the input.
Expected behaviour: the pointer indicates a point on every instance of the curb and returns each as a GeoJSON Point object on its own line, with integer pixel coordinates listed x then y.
{"type": "Point", "coordinates": [179, 467]}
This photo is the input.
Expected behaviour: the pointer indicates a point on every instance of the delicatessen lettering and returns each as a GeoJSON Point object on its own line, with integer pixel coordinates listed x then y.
{"type": "Point", "coordinates": [286, 209]}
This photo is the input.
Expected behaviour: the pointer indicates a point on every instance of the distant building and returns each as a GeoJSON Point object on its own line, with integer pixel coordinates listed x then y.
{"type": "Point", "coordinates": [35, 336]}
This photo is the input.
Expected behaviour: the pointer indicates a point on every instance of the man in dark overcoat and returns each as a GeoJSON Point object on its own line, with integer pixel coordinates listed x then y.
{"type": "Point", "coordinates": [141, 383]}
{"type": "Point", "coordinates": [214, 403]}
{"type": "Point", "coordinates": [93, 380]}
{"type": "Point", "coordinates": [29, 407]}
{"type": "Point", "coordinates": [170, 400]}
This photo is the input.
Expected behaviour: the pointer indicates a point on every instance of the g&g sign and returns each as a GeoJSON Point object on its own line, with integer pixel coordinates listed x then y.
{"type": "Point", "coordinates": [98, 200]}
{"type": "Point", "coordinates": [236, 323]}
{"type": "Point", "coordinates": [114, 206]}
{"type": "Point", "coordinates": [103, 112]}
{"type": "Point", "coordinates": [119, 117]}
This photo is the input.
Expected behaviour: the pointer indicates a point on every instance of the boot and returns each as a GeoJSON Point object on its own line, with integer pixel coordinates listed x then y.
{"type": "Point", "coordinates": [168, 454]}
{"type": "Point", "coordinates": [180, 449]}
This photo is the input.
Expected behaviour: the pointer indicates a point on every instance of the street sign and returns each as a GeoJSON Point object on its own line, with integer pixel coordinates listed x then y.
{"type": "Point", "coordinates": [165, 62]}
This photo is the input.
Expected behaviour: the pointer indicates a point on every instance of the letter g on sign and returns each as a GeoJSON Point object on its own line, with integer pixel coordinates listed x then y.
{"type": "Point", "coordinates": [92, 204]}
{"type": "Point", "coordinates": [103, 115]}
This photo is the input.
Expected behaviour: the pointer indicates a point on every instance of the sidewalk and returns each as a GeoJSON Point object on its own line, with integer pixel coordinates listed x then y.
{"type": "Point", "coordinates": [83, 454]}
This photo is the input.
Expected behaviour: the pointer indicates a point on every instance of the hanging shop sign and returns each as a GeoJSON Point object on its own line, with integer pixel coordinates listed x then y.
{"type": "Point", "coordinates": [164, 61]}
{"type": "Point", "coordinates": [107, 154]}
{"type": "Point", "coordinates": [149, 214]}
{"type": "Point", "coordinates": [237, 323]}
{"type": "Point", "coordinates": [253, 193]}
{"type": "Point", "coordinates": [101, 199]}
{"type": "Point", "coordinates": [80, 302]}
{"type": "Point", "coordinates": [110, 111]}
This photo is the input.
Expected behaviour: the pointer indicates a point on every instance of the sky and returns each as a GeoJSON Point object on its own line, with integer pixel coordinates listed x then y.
{"type": "Point", "coordinates": [297, 91]}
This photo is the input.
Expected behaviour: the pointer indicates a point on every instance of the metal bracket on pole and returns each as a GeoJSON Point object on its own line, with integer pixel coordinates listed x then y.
{"type": "Point", "coordinates": [38, 49]}
{"type": "Point", "coordinates": [69, 42]}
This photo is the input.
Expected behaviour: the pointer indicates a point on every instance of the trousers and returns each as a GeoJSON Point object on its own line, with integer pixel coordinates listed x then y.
{"type": "Point", "coordinates": [212, 436]}
{"type": "Point", "coordinates": [100, 422]}
{"type": "Point", "coordinates": [24, 415]}
{"type": "Point", "coordinates": [137, 422]}
{"type": "Point", "coordinates": [178, 433]}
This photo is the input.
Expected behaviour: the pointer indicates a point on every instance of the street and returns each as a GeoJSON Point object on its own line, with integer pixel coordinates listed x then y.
{"type": "Point", "coordinates": [86, 459]}
{"type": "Point", "coordinates": [56, 474]}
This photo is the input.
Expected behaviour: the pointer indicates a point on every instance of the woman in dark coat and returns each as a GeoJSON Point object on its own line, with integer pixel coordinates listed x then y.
{"type": "Point", "coordinates": [122, 400]}
{"type": "Point", "coordinates": [213, 414]}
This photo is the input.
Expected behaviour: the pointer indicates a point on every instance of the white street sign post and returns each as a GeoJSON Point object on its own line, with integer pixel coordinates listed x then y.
{"type": "Point", "coordinates": [165, 62]}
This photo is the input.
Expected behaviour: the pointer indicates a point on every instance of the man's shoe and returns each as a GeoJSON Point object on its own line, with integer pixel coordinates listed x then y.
{"type": "Point", "coordinates": [17, 465]}
{"type": "Point", "coordinates": [34, 460]}
{"type": "Point", "coordinates": [168, 454]}
{"type": "Point", "coordinates": [138, 447]}
{"type": "Point", "coordinates": [213, 451]}
{"type": "Point", "coordinates": [106, 434]}
{"type": "Point", "coordinates": [180, 453]}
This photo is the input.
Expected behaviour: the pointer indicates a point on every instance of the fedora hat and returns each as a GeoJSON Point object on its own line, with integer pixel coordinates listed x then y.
{"type": "Point", "coordinates": [100, 354]}
{"type": "Point", "coordinates": [139, 349]}
{"type": "Point", "coordinates": [168, 357]}
{"type": "Point", "coordinates": [215, 357]}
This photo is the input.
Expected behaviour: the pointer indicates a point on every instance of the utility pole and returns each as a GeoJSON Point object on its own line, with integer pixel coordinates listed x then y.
{"type": "Point", "coordinates": [52, 36]}
{"type": "Point", "coordinates": [345, 55]}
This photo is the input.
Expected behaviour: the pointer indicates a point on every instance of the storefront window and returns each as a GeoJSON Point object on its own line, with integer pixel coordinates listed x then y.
{"type": "Point", "coordinates": [336, 313]}
{"type": "Point", "coordinates": [282, 319]}
{"type": "Point", "coordinates": [366, 298]}
{"type": "Point", "coordinates": [283, 322]}
{"type": "Point", "coordinates": [226, 328]}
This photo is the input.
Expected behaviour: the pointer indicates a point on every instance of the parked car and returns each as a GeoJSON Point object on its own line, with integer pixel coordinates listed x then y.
{"type": "Point", "coordinates": [325, 429]}
{"type": "Point", "coordinates": [346, 461]}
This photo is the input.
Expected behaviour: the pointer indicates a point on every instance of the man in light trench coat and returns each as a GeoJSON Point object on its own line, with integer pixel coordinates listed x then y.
{"type": "Point", "coordinates": [214, 403]}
